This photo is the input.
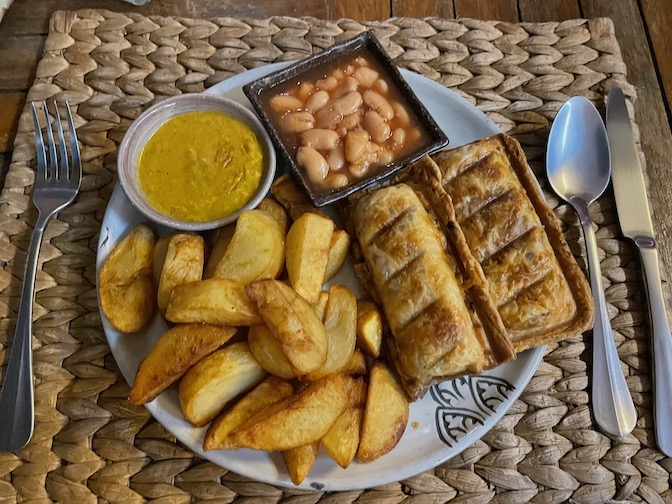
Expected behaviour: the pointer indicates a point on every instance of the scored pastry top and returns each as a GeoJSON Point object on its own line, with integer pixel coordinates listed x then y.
{"type": "Point", "coordinates": [438, 332]}
{"type": "Point", "coordinates": [533, 278]}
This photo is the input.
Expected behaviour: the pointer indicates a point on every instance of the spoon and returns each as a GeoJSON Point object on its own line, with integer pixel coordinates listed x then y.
{"type": "Point", "coordinates": [578, 165]}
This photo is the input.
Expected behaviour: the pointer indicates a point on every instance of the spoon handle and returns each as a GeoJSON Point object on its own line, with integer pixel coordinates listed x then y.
{"type": "Point", "coordinates": [613, 407]}
{"type": "Point", "coordinates": [662, 347]}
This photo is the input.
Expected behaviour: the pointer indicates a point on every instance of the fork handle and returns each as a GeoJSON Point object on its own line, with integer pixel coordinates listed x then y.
{"type": "Point", "coordinates": [16, 398]}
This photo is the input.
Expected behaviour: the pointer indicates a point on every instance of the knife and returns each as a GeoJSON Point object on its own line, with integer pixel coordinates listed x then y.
{"type": "Point", "coordinates": [633, 213]}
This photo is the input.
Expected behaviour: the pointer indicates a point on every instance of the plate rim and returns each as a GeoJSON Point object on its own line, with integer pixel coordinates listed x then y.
{"type": "Point", "coordinates": [533, 357]}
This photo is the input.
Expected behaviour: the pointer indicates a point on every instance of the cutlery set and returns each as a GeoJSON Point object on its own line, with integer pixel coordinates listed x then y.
{"type": "Point", "coordinates": [582, 157]}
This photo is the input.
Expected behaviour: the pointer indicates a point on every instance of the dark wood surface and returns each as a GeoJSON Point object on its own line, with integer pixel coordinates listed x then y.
{"type": "Point", "coordinates": [643, 28]}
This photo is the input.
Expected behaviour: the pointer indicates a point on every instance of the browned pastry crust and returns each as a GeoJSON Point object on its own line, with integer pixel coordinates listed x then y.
{"type": "Point", "coordinates": [533, 278]}
{"type": "Point", "coordinates": [441, 317]}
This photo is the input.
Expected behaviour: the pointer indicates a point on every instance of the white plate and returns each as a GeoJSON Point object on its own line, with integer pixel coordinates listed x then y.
{"type": "Point", "coordinates": [450, 418]}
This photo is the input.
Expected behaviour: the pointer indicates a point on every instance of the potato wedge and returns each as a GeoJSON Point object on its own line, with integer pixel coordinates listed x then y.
{"type": "Point", "coordinates": [342, 440]}
{"type": "Point", "coordinates": [293, 322]}
{"type": "Point", "coordinates": [385, 415]}
{"type": "Point", "coordinates": [269, 391]}
{"type": "Point", "coordinates": [292, 197]}
{"type": "Point", "coordinates": [298, 420]}
{"type": "Point", "coordinates": [308, 242]}
{"type": "Point", "coordinates": [126, 283]}
{"type": "Point", "coordinates": [267, 349]}
{"type": "Point", "coordinates": [369, 328]}
{"type": "Point", "coordinates": [357, 390]}
{"type": "Point", "coordinates": [217, 379]}
{"type": "Point", "coordinates": [299, 461]}
{"type": "Point", "coordinates": [159, 256]}
{"type": "Point", "coordinates": [338, 252]}
{"type": "Point", "coordinates": [321, 305]}
{"type": "Point", "coordinates": [356, 365]}
{"type": "Point", "coordinates": [173, 354]}
{"type": "Point", "coordinates": [183, 263]}
{"type": "Point", "coordinates": [275, 210]}
{"type": "Point", "coordinates": [213, 301]}
{"type": "Point", "coordinates": [340, 322]}
{"type": "Point", "coordinates": [219, 249]}
{"type": "Point", "coordinates": [256, 251]}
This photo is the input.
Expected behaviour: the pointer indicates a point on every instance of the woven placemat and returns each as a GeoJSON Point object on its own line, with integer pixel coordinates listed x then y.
{"type": "Point", "coordinates": [91, 444]}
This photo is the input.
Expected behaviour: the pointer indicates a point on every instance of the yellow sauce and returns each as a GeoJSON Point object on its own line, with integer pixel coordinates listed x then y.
{"type": "Point", "coordinates": [200, 166]}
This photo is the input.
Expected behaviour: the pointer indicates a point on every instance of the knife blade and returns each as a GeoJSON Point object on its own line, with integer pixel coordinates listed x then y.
{"type": "Point", "coordinates": [626, 172]}
{"type": "Point", "coordinates": [635, 219]}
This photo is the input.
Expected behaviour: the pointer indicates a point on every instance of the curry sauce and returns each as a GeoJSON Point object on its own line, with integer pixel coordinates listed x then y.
{"type": "Point", "coordinates": [200, 166]}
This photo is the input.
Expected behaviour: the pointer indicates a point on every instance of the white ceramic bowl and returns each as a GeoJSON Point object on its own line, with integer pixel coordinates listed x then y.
{"type": "Point", "coordinates": [154, 117]}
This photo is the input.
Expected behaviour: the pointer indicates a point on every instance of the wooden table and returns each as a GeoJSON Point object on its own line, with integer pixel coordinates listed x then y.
{"type": "Point", "coordinates": [643, 28]}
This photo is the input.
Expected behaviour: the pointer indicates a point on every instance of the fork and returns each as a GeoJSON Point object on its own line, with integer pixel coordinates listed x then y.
{"type": "Point", "coordinates": [56, 185]}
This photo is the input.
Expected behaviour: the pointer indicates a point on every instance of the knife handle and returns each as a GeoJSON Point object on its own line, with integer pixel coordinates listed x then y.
{"type": "Point", "coordinates": [662, 346]}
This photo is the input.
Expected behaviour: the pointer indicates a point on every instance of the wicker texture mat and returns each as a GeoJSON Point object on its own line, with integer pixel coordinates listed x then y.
{"type": "Point", "coordinates": [91, 444]}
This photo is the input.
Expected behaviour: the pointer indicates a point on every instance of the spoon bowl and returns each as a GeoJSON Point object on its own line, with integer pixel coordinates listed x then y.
{"type": "Point", "coordinates": [578, 164]}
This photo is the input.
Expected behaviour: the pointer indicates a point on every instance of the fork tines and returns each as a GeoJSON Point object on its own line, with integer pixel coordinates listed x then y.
{"type": "Point", "coordinates": [57, 165]}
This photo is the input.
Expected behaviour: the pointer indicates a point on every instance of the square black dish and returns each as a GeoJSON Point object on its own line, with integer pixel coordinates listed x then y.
{"type": "Point", "coordinates": [344, 114]}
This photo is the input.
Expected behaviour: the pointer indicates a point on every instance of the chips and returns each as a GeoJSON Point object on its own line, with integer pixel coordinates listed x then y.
{"type": "Point", "coordinates": [311, 339]}
{"type": "Point", "coordinates": [298, 420]}
{"type": "Point", "coordinates": [175, 352]}
{"type": "Point", "coordinates": [293, 322]}
{"type": "Point", "coordinates": [126, 283]}
{"type": "Point", "coordinates": [308, 244]}
{"type": "Point", "coordinates": [214, 381]}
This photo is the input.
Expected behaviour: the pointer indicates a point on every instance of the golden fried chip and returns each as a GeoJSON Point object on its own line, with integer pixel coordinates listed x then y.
{"type": "Point", "coordinates": [126, 284]}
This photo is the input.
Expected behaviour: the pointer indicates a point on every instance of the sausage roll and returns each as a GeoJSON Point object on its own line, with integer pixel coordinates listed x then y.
{"type": "Point", "coordinates": [532, 276]}
{"type": "Point", "coordinates": [442, 322]}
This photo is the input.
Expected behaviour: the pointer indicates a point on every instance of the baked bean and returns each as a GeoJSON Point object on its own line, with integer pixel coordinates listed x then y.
{"type": "Point", "coordinates": [366, 76]}
{"type": "Point", "coordinates": [336, 158]}
{"type": "Point", "coordinates": [386, 156]}
{"type": "Point", "coordinates": [328, 118]}
{"type": "Point", "coordinates": [376, 126]}
{"type": "Point", "coordinates": [328, 84]}
{"type": "Point", "coordinates": [373, 150]}
{"type": "Point", "coordinates": [313, 162]}
{"type": "Point", "coordinates": [305, 90]}
{"type": "Point", "coordinates": [398, 138]}
{"type": "Point", "coordinates": [401, 113]}
{"type": "Point", "coordinates": [342, 131]}
{"type": "Point", "coordinates": [347, 104]}
{"type": "Point", "coordinates": [338, 74]}
{"type": "Point", "coordinates": [349, 70]}
{"type": "Point", "coordinates": [320, 139]}
{"type": "Point", "coordinates": [358, 170]}
{"type": "Point", "coordinates": [355, 145]}
{"type": "Point", "coordinates": [336, 181]}
{"type": "Point", "coordinates": [284, 103]}
{"type": "Point", "coordinates": [377, 102]}
{"type": "Point", "coordinates": [352, 121]}
{"type": "Point", "coordinates": [296, 122]}
{"type": "Point", "coordinates": [347, 85]}
{"type": "Point", "coordinates": [381, 86]}
{"type": "Point", "coordinates": [316, 101]}
{"type": "Point", "coordinates": [334, 111]}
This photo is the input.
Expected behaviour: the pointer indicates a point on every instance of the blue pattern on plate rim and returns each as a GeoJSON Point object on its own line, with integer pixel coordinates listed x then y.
{"type": "Point", "coordinates": [478, 398]}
